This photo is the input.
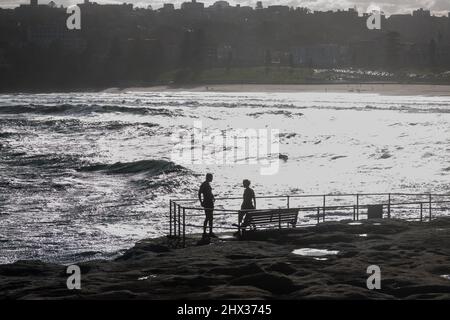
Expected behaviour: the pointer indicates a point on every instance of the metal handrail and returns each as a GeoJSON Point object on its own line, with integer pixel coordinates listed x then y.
{"type": "Point", "coordinates": [327, 195]}
{"type": "Point", "coordinates": [177, 215]}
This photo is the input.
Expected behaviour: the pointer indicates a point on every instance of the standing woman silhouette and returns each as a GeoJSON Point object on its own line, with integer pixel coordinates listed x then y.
{"type": "Point", "coordinates": [249, 201]}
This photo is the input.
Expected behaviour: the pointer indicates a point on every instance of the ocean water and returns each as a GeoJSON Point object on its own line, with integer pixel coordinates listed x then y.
{"type": "Point", "coordinates": [86, 175]}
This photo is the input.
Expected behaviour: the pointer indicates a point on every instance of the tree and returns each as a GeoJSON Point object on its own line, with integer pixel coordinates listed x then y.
{"type": "Point", "coordinates": [199, 47]}
{"type": "Point", "coordinates": [186, 49]}
{"type": "Point", "coordinates": [392, 49]}
{"type": "Point", "coordinates": [113, 61]}
{"type": "Point", "coordinates": [229, 60]}
{"type": "Point", "coordinates": [268, 60]}
{"type": "Point", "coordinates": [432, 53]}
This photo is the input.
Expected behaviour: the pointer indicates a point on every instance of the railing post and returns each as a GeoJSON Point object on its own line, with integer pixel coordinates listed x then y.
{"type": "Point", "coordinates": [184, 227]}
{"type": "Point", "coordinates": [279, 219]}
{"type": "Point", "coordinates": [389, 206]}
{"type": "Point", "coordinates": [324, 203]}
{"type": "Point", "coordinates": [288, 202]}
{"type": "Point", "coordinates": [430, 204]}
{"type": "Point", "coordinates": [354, 213]}
{"type": "Point", "coordinates": [318, 215]}
{"type": "Point", "coordinates": [357, 206]}
{"type": "Point", "coordinates": [174, 218]}
{"type": "Point", "coordinates": [179, 220]}
{"type": "Point", "coordinates": [170, 218]}
{"type": "Point", "coordinates": [421, 212]}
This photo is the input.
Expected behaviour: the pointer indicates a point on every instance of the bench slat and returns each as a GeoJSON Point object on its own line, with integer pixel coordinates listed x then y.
{"type": "Point", "coordinates": [276, 217]}
{"type": "Point", "coordinates": [268, 214]}
{"type": "Point", "coordinates": [273, 219]}
{"type": "Point", "coordinates": [270, 222]}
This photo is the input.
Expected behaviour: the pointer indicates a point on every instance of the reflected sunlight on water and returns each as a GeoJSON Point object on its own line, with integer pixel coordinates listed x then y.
{"type": "Point", "coordinates": [83, 175]}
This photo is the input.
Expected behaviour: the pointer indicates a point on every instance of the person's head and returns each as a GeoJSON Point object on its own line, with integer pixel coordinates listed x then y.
{"type": "Point", "coordinates": [246, 183]}
{"type": "Point", "coordinates": [209, 177]}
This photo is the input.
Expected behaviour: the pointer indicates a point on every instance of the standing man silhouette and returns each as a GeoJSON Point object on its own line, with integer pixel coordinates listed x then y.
{"type": "Point", "coordinates": [208, 203]}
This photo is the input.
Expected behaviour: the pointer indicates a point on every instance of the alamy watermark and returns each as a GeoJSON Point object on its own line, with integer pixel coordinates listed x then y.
{"type": "Point", "coordinates": [73, 22]}
{"type": "Point", "coordinates": [374, 20]}
{"type": "Point", "coordinates": [374, 281]}
{"type": "Point", "coordinates": [227, 147]}
{"type": "Point", "coordinates": [74, 280]}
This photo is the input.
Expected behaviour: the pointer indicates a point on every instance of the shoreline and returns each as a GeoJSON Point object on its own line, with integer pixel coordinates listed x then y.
{"type": "Point", "coordinates": [388, 88]}
{"type": "Point", "coordinates": [414, 258]}
{"type": "Point", "coordinates": [375, 88]}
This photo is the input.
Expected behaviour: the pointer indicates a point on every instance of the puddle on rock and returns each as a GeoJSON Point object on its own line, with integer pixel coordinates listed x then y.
{"type": "Point", "coordinates": [446, 276]}
{"type": "Point", "coordinates": [362, 235]}
{"type": "Point", "coordinates": [310, 252]}
{"type": "Point", "coordinates": [355, 223]}
{"type": "Point", "coordinates": [146, 277]}
{"type": "Point", "coordinates": [226, 237]}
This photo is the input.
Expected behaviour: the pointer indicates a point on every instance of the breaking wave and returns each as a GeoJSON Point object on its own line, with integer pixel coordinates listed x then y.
{"type": "Point", "coordinates": [285, 113]}
{"type": "Point", "coordinates": [50, 160]}
{"type": "Point", "coordinates": [151, 167]}
{"type": "Point", "coordinates": [68, 126]}
{"type": "Point", "coordinates": [84, 109]}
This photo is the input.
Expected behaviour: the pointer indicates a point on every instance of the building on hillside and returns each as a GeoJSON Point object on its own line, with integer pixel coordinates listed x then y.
{"type": "Point", "coordinates": [220, 5]}
{"type": "Point", "coordinates": [320, 55]}
{"type": "Point", "coordinates": [421, 13]}
{"type": "Point", "coordinates": [278, 9]}
{"type": "Point", "coordinates": [192, 6]}
{"type": "Point", "coordinates": [167, 7]}
{"type": "Point", "coordinates": [44, 35]}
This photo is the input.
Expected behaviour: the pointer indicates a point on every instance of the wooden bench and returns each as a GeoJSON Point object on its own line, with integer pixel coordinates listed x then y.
{"type": "Point", "coordinates": [267, 218]}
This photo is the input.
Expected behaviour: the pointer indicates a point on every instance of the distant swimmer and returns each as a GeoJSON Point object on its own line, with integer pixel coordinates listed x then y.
{"type": "Point", "coordinates": [207, 202]}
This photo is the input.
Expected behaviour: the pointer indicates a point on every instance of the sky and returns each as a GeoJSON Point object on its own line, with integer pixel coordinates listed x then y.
{"type": "Point", "coordinates": [439, 7]}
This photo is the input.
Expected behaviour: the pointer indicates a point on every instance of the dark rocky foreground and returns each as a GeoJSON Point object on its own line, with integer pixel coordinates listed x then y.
{"type": "Point", "coordinates": [413, 258]}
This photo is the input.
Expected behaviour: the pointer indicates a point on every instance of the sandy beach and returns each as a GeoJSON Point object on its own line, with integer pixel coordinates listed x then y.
{"type": "Point", "coordinates": [386, 89]}
{"type": "Point", "coordinates": [414, 259]}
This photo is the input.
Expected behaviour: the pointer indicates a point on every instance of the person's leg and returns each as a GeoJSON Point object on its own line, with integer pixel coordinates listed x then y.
{"type": "Point", "coordinates": [211, 225]}
{"type": "Point", "coordinates": [210, 218]}
{"type": "Point", "coordinates": [205, 223]}
{"type": "Point", "coordinates": [240, 216]}
{"type": "Point", "coordinates": [247, 218]}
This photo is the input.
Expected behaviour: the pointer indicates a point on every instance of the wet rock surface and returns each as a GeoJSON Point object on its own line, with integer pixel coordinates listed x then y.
{"type": "Point", "coordinates": [414, 259]}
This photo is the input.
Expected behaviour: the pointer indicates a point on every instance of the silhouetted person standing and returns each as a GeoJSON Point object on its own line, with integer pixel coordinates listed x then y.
{"type": "Point", "coordinates": [249, 196]}
{"type": "Point", "coordinates": [208, 203]}
{"type": "Point", "coordinates": [249, 201]}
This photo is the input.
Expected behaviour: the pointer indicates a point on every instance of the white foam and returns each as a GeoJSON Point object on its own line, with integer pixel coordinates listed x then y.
{"type": "Point", "coordinates": [311, 252]}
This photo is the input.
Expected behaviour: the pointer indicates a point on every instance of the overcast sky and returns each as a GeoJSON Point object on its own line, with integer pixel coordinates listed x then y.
{"type": "Point", "coordinates": [389, 6]}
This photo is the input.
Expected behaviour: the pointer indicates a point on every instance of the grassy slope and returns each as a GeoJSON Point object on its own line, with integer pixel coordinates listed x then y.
{"type": "Point", "coordinates": [299, 75]}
